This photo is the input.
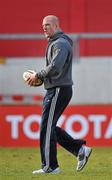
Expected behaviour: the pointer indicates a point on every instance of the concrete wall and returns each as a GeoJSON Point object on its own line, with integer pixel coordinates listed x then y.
{"type": "Point", "coordinates": [91, 76]}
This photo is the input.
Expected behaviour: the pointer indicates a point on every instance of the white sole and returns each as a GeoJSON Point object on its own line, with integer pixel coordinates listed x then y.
{"type": "Point", "coordinates": [40, 171]}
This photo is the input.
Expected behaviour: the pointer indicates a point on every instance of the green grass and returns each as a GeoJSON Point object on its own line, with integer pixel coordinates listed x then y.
{"type": "Point", "coordinates": [18, 163]}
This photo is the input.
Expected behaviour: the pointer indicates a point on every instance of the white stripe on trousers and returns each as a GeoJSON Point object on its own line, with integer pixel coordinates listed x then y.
{"type": "Point", "coordinates": [49, 126]}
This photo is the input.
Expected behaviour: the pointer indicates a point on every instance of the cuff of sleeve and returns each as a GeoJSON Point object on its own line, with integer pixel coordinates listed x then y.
{"type": "Point", "coordinates": [40, 76]}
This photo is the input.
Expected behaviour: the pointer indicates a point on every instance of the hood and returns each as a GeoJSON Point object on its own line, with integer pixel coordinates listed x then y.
{"type": "Point", "coordinates": [61, 34]}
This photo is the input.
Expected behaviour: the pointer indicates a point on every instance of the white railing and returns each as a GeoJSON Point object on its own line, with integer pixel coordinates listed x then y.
{"type": "Point", "coordinates": [35, 36]}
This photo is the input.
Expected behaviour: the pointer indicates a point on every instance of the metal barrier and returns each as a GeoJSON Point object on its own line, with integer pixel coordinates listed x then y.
{"type": "Point", "coordinates": [75, 36]}
{"type": "Point", "coordinates": [35, 36]}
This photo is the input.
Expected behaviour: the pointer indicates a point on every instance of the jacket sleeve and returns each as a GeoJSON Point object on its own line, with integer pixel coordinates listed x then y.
{"type": "Point", "coordinates": [59, 56]}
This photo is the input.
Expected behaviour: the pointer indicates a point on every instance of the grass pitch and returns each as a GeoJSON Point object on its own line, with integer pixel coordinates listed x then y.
{"type": "Point", "coordinates": [18, 163]}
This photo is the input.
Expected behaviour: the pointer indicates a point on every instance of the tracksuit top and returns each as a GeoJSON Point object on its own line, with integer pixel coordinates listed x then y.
{"type": "Point", "coordinates": [58, 70]}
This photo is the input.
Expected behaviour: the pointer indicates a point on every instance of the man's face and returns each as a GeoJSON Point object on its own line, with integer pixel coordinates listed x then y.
{"type": "Point", "coordinates": [49, 27]}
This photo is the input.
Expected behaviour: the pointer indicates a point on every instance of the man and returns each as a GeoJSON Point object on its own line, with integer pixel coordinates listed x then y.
{"type": "Point", "coordinates": [57, 77]}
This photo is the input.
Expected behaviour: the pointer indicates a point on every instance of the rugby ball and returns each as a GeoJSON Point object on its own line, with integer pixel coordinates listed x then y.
{"type": "Point", "coordinates": [27, 74]}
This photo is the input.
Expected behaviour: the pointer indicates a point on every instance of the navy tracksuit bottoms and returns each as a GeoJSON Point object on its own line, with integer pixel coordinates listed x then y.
{"type": "Point", "coordinates": [55, 102]}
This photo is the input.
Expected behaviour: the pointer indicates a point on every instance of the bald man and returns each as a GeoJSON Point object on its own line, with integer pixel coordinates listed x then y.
{"type": "Point", "coordinates": [57, 77]}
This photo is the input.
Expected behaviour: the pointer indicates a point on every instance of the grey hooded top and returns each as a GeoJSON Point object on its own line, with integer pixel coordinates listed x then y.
{"type": "Point", "coordinates": [58, 70]}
